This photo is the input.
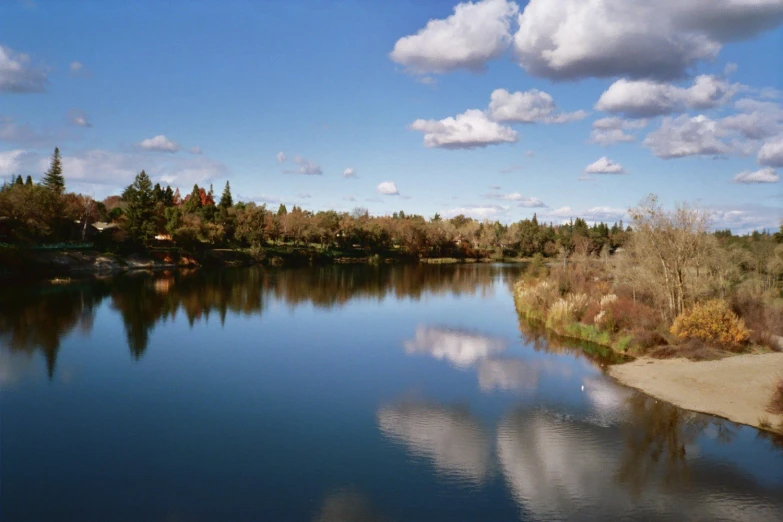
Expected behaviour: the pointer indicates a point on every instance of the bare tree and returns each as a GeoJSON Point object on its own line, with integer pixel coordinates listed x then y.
{"type": "Point", "coordinates": [668, 246]}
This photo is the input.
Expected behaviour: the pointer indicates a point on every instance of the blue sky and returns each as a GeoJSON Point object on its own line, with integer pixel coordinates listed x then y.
{"type": "Point", "coordinates": [495, 109]}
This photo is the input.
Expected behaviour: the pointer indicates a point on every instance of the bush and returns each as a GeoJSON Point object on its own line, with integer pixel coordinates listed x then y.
{"type": "Point", "coordinates": [566, 310]}
{"type": "Point", "coordinates": [776, 403]}
{"type": "Point", "coordinates": [624, 314]}
{"type": "Point", "coordinates": [713, 322]}
{"type": "Point", "coordinates": [646, 339]}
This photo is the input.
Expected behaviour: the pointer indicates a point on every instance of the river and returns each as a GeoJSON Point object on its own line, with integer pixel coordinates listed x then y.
{"type": "Point", "coordinates": [342, 393]}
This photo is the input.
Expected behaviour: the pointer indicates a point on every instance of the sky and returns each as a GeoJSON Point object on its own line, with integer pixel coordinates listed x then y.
{"type": "Point", "coordinates": [493, 109]}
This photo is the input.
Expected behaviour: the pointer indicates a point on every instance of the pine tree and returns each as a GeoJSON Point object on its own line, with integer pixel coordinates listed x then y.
{"type": "Point", "coordinates": [193, 201]}
{"type": "Point", "coordinates": [29, 181]}
{"type": "Point", "coordinates": [140, 213]}
{"type": "Point", "coordinates": [53, 178]}
{"type": "Point", "coordinates": [19, 180]}
{"type": "Point", "coordinates": [281, 210]}
{"type": "Point", "coordinates": [226, 200]}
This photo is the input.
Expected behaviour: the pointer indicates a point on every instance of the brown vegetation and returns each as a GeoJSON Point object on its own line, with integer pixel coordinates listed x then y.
{"type": "Point", "coordinates": [776, 403]}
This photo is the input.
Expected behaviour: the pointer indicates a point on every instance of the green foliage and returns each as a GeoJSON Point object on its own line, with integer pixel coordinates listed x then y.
{"type": "Point", "coordinates": [226, 200]}
{"type": "Point", "coordinates": [140, 218]}
{"type": "Point", "coordinates": [53, 178]}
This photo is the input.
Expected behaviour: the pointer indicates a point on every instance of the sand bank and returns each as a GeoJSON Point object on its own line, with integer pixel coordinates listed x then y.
{"type": "Point", "coordinates": [737, 388]}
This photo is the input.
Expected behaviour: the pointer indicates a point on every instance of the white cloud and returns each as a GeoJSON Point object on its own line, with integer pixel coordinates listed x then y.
{"type": "Point", "coordinates": [604, 165]}
{"type": "Point", "coordinates": [195, 150]}
{"type": "Point", "coordinates": [11, 162]}
{"type": "Point", "coordinates": [647, 98]}
{"type": "Point", "coordinates": [261, 199]}
{"type": "Point", "coordinates": [512, 168]}
{"type": "Point", "coordinates": [569, 39]}
{"type": "Point", "coordinates": [281, 157]}
{"type": "Point", "coordinates": [530, 153]}
{"type": "Point", "coordinates": [474, 34]}
{"type": "Point", "coordinates": [304, 195]}
{"type": "Point", "coordinates": [462, 349]}
{"type": "Point", "coordinates": [79, 118]}
{"type": "Point", "coordinates": [160, 143]}
{"type": "Point", "coordinates": [527, 107]}
{"type": "Point", "coordinates": [303, 166]}
{"type": "Point", "coordinates": [468, 130]}
{"type": "Point", "coordinates": [349, 173]}
{"type": "Point", "coordinates": [604, 214]}
{"type": "Point", "coordinates": [522, 201]}
{"type": "Point", "coordinates": [686, 136]}
{"type": "Point", "coordinates": [765, 175]}
{"type": "Point", "coordinates": [771, 153]}
{"type": "Point", "coordinates": [17, 75]}
{"type": "Point", "coordinates": [388, 188]}
{"type": "Point", "coordinates": [75, 67]}
{"type": "Point", "coordinates": [607, 131]}
{"type": "Point", "coordinates": [349, 198]}
{"type": "Point", "coordinates": [743, 219]}
{"type": "Point", "coordinates": [26, 136]}
{"type": "Point", "coordinates": [477, 211]}
{"type": "Point", "coordinates": [756, 119]}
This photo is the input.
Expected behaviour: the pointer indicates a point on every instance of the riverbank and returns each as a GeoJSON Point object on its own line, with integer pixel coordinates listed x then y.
{"type": "Point", "coordinates": [737, 388]}
{"type": "Point", "coordinates": [40, 263]}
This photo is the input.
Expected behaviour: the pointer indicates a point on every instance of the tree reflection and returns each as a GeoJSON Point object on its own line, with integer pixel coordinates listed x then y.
{"type": "Point", "coordinates": [38, 320]}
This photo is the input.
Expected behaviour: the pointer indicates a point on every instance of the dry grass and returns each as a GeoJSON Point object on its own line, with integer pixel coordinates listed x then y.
{"type": "Point", "coordinates": [776, 402]}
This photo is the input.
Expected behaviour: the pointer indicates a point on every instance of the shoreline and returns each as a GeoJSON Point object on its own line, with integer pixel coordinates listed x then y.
{"type": "Point", "coordinates": [737, 388]}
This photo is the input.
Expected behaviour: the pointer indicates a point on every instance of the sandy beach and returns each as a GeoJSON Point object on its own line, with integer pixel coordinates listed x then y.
{"type": "Point", "coordinates": [737, 388]}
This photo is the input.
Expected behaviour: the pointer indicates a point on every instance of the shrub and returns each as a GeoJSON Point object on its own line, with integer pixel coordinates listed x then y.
{"type": "Point", "coordinates": [776, 403]}
{"type": "Point", "coordinates": [535, 299]}
{"type": "Point", "coordinates": [646, 339]}
{"type": "Point", "coordinates": [693, 349]}
{"type": "Point", "coordinates": [624, 314]}
{"type": "Point", "coordinates": [711, 321]}
{"type": "Point", "coordinates": [567, 309]}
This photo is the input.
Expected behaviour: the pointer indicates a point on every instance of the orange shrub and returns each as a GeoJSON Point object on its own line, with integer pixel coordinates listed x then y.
{"type": "Point", "coordinates": [711, 321]}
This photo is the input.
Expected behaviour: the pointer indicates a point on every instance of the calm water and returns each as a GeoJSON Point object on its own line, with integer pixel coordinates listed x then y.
{"type": "Point", "coordinates": [340, 394]}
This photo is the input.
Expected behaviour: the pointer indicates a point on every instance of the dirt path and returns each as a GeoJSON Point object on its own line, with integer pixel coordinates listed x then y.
{"type": "Point", "coordinates": [738, 388]}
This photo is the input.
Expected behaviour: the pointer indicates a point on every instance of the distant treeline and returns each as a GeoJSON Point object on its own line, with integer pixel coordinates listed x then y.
{"type": "Point", "coordinates": [144, 214]}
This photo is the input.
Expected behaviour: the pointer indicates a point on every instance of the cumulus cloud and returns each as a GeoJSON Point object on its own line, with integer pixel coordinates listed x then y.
{"type": "Point", "coordinates": [388, 188]}
{"type": "Point", "coordinates": [527, 107]}
{"type": "Point", "coordinates": [17, 75]}
{"type": "Point", "coordinates": [160, 143]}
{"type": "Point", "coordinates": [522, 201]}
{"type": "Point", "coordinates": [468, 130]}
{"type": "Point", "coordinates": [462, 349]}
{"type": "Point", "coordinates": [611, 130]}
{"type": "Point", "coordinates": [103, 172]}
{"type": "Point", "coordinates": [604, 165]}
{"type": "Point", "coordinates": [765, 175]}
{"type": "Point", "coordinates": [771, 153]}
{"type": "Point", "coordinates": [477, 211]}
{"type": "Point", "coordinates": [303, 166]}
{"type": "Point", "coordinates": [475, 33]}
{"type": "Point", "coordinates": [570, 39]}
{"type": "Point", "coordinates": [755, 120]}
{"type": "Point", "coordinates": [743, 219]}
{"type": "Point", "coordinates": [349, 173]}
{"type": "Point", "coordinates": [281, 157]}
{"type": "Point", "coordinates": [79, 118]}
{"type": "Point", "coordinates": [647, 98]}
{"type": "Point", "coordinates": [688, 136]}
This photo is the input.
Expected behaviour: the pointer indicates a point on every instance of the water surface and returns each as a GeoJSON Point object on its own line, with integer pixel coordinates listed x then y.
{"type": "Point", "coordinates": [399, 393]}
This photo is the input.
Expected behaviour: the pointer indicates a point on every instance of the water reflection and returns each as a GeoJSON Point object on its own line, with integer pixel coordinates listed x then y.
{"type": "Point", "coordinates": [347, 505]}
{"type": "Point", "coordinates": [33, 320]}
{"type": "Point", "coordinates": [462, 349]}
{"type": "Point", "coordinates": [455, 442]}
{"type": "Point", "coordinates": [507, 375]}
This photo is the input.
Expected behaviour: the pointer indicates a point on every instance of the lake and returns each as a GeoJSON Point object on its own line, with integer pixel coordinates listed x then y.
{"type": "Point", "coordinates": [342, 393]}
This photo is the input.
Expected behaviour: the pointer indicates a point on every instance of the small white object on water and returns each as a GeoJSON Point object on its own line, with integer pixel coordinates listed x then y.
{"type": "Point", "coordinates": [583, 387]}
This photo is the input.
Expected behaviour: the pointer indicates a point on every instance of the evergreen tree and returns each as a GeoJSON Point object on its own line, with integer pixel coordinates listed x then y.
{"type": "Point", "coordinates": [193, 202]}
{"type": "Point", "coordinates": [226, 200]}
{"type": "Point", "coordinates": [140, 212]}
{"type": "Point", "coordinates": [29, 181]}
{"type": "Point", "coordinates": [19, 180]}
{"type": "Point", "coordinates": [281, 210]}
{"type": "Point", "coordinates": [53, 178]}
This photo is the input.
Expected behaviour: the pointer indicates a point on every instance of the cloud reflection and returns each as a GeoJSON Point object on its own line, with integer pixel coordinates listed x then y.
{"type": "Point", "coordinates": [507, 375]}
{"type": "Point", "coordinates": [462, 349]}
{"type": "Point", "coordinates": [455, 442]}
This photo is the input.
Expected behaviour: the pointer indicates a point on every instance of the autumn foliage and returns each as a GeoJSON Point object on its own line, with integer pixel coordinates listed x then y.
{"type": "Point", "coordinates": [712, 322]}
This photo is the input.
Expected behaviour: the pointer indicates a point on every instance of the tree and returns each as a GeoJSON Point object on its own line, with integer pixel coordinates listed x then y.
{"type": "Point", "coordinates": [53, 178]}
{"type": "Point", "coordinates": [29, 181]}
{"type": "Point", "coordinates": [666, 246]}
{"type": "Point", "coordinates": [140, 212]}
{"type": "Point", "coordinates": [226, 200]}
{"type": "Point", "coordinates": [18, 180]}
